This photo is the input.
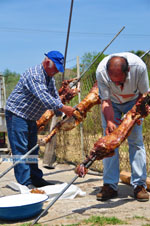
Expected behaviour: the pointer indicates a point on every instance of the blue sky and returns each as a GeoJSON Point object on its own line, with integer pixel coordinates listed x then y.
{"type": "Point", "coordinates": [30, 28]}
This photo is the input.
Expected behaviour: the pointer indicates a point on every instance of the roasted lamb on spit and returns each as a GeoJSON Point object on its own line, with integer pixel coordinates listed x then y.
{"type": "Point", "coordinates": [105, 146]}
{"type": "Point", "coordinates": [79, 114]}
{"type": "Point", "coordinates": [66, 94]}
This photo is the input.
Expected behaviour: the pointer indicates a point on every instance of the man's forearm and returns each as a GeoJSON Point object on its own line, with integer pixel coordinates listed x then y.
{"type": "Point", "coordinates": [107, 110]}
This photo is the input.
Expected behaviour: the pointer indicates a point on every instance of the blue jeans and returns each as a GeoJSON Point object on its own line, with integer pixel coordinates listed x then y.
{"type": "Point", "coordinates": [137, 153]}
{"type": "Point", "coordinates": [22, 136]}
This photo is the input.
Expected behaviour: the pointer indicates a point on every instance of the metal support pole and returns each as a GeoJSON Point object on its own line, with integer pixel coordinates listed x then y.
{"type": "Point", "coordinates": [65, 56]}
{"type": "Point", "coordinates": [100, 54]}
{"type": "Point", "coordinates": [145, 54]}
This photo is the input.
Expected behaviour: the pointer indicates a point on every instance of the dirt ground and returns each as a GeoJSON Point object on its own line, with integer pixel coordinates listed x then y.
{"type": "Point", "coordinates": [71, 212]}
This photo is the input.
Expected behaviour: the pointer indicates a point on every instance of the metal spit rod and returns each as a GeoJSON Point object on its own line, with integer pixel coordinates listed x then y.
{"type": "Point", "coordinates": [100, 54]}
{"type": "Point", "coordinates": [62, 192]}
{"type": "Point", "coordinates": [19, 161]}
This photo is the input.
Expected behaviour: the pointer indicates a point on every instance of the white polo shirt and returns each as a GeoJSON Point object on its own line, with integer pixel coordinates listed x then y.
{"type": "Point", "coordinates": [136, 81]}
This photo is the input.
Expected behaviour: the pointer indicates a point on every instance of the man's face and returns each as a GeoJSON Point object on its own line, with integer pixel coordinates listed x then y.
{"type": "Point", "coordinates": [115, 72]}
{"type": "Point", "coordinates": [51, 68]}
{"type": "Point", "coordinates": [117, 76]}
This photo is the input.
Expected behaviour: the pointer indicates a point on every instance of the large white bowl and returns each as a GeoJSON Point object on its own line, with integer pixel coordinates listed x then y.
{"type": "Point", "coordinates": [21, 206]}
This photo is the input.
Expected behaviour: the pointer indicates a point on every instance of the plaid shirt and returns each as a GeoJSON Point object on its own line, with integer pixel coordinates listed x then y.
{"type": "Point", "coordinates": [34, 94]}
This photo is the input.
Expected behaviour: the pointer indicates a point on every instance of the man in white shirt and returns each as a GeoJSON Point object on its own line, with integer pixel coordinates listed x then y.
{"type": "Point", "coordinates": [122, 79]}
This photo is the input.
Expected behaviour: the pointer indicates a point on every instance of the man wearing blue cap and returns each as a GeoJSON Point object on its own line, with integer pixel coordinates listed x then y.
{"type": "Point", "coordinates": [33, 95]}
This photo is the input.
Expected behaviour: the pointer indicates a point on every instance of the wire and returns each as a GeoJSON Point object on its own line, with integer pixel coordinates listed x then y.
{"type": "Point", "coordinates": [71, 60]}
{"type": "Point", "coordinates": [27, 30]}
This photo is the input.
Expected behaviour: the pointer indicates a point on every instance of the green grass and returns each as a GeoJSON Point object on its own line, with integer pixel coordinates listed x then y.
{"type": "Point", "coordinates": [140, 217]}
{"type": "Point", "coordinates": [101, 221]}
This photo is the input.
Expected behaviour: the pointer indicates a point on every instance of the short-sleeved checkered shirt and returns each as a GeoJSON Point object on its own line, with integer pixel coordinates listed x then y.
{"type": "Point", "coordinates": [34, 94]}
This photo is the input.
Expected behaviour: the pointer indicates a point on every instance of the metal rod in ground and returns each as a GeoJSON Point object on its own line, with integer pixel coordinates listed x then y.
{"type": "Point", "coordinates": [145, 54]}
{"type": "Point", "coordinates": [62, 192]}
{"type": "Point", "coordinates": [19, 161]}
{"type": "Point", "coordinates": [54, 200]}
{"type": "Point", "coordinates": [100, 54]}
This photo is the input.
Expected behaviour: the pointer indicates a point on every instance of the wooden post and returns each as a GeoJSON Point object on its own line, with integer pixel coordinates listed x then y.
{"type": "Point", "coordinates": [49, 154]}
{"type": "Point", "coordinates": [126, 176]}
{"type": "Point", "coordinates": [79, 100]}
{"type": "Point", "coordinates": [3, 129]}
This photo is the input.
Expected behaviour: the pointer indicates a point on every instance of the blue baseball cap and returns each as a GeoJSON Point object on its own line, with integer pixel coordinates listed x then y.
{"type": "Point", "coordinates": [57, 58]}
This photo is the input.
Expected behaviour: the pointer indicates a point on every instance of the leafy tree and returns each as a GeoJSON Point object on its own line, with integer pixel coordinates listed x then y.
{"type": "Point", "coordinates": [11, 79]}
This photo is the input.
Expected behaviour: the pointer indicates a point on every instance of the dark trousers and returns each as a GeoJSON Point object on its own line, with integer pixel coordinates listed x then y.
{"type": "Point", "coordinates": [22, 136]}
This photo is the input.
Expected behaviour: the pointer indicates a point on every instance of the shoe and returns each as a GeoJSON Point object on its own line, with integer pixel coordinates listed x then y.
{"type": "Point", "coordinates": [41, 182]}
{"type": "Point", "coordinates": [49, 167]}
{"type": "Point", "coordinates": [141, 194]}
{"type": "Point", "coordinates": [106, 193]}
{"type": "Point", "coordinates": [31, 186]}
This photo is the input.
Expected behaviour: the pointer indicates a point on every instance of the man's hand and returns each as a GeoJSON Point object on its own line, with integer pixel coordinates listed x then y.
{"type": "Point", "coordinates": [110, 127]}
{"type": "Point", "coordinates": [81, 170]}
{"type": "Point", "coordinates": [108, 112]}
{"type": "Point", "coordinates": [68, 110]}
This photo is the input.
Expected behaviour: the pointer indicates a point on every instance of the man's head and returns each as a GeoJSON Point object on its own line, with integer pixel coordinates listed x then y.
{"type": "Point", "coordinates": [117, 68]}
{"type": "Point", "coordinates": [53, 62]}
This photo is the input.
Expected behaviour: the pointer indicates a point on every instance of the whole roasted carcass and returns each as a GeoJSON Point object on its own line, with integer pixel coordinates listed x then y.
{"type": "Point", "coordinates": [79, 114]}
{"type": "Point", "coordinates": [66, 94]}
{"type": "Point", "coordinates": [105, 146]}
